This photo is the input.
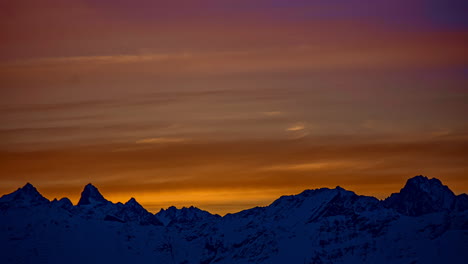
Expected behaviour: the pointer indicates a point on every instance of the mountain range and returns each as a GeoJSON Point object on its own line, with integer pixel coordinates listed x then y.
{"type": "Point", "coordinates": [423, 223]}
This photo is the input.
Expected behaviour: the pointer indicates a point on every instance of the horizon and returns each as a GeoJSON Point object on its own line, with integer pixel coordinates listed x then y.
{"type": "Point", "coordinates": [226, 105]}
{"type": "Point", "coordinates": [156, 210]}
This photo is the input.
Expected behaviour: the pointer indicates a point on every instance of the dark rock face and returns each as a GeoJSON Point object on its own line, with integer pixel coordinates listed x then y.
{"type": "Point", "coordinates": [23, 197]}
{"type": "Point", "coordinates": [91, 195]}
{"type": "Point", "coordinates": [422, 195]}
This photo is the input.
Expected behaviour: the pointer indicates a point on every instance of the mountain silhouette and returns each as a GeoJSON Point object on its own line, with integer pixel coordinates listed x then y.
{"type": "Point", "coordinates": [422, 196]}
{"type": "Point", "coordinates": [91, 195]}
{"type": "Point", "coordinates": [423, 223]}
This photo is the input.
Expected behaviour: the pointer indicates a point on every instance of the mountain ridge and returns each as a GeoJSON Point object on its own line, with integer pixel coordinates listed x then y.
{"type": "Point", "coordinates": [415, 188]}
{"type": "Point", "coordinates": [423, 223]}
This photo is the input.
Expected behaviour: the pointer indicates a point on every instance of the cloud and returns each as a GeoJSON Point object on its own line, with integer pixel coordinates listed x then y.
{"type": "Point", "coordinates": [160, 140]}
{"type": "Point", "coordinates": [296, 127]}
{"type": "Point", "coordinates": [110, 59]}
{"type": "Point", "coordinates": [272, 167]}
{"type": "Point", "coordinates": [274, 68]}
{"type": "Point", "coordinates": [312, 166]}
{"type": "Point", "coordinates": [273, 113]}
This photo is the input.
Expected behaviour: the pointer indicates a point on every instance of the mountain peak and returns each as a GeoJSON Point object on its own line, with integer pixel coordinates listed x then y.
{"type": "Point", "coordinates": [91, 195]}
{"type": "Point", "coordinates": [133, 211]}
{"type": "Point", "coordinates": [184, 215]}
{"type": "Point", "coordinates": [422, 195]}
{"type": "Point", "coordinates": [29, 186]}
{"type": "Point", "coordinates": [25, 196]}
{"type": "Point", "coordinates": [422, 182]}
{"type": "Point", "coordinates": [132, 202]}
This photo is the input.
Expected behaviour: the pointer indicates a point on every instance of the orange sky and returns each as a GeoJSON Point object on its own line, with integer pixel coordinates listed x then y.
{"type": "Point", "coordinates": [227, 105]}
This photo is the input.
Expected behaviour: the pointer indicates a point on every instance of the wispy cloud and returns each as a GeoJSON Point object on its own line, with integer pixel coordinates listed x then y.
{"type": "Point", "coordinates": [216, 167]}
{"type": "Point", "coordinates": [296, 127]}
{"type": "Point", "coordinates": [102, 59]}
{"type": "Point", "coordinates": [310, 166]}
{"type": "Point", "coordinates": [273, 113]}
{"type": "Point", "coordinates": [160, 140]}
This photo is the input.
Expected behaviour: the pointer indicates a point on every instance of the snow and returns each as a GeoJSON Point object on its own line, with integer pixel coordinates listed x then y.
{"type": "Point", "coordinates": [315, 226]}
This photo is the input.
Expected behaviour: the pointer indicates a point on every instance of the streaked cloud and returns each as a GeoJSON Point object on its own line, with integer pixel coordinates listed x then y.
{"type": "Point", "coordinates": [296, 127]}
{"type": "Point", "coordinates": [274, 113]}
{"type": "Point", "coordinates": [313, 166]}
{"type": "Point", "coordinates": [162, 101]}
{"type": "Point", "coordinates": [264, 168]}
{"type": "Point", "coordinates": [160, 140]}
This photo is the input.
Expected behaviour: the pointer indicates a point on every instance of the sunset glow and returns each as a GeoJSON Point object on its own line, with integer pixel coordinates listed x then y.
{"type": "Point", "coordinates": [226, 105]}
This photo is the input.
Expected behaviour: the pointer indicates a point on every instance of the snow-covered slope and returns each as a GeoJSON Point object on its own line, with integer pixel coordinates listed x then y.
{"type": "Point", "coordinates": [423, 223]}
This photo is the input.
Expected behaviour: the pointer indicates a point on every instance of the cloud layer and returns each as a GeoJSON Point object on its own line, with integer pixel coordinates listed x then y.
{"type": "Point", "coordinates": [229, 104]}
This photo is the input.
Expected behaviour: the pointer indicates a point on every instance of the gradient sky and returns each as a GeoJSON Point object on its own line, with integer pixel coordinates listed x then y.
{"type": "Point", "coordinates": [226, 105]}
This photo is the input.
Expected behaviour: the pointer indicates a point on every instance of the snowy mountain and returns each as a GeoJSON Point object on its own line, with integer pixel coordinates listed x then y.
{"type": "Point", "coordinates": [23, 197]}
{"type": "Point", "coordinates": [424, 223]}
{"type": "Point", "coordinates": [422, 196]}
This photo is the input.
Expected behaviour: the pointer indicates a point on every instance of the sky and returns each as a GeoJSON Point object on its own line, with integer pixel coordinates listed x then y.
{"type": "Point", "coordinates": [227, 105]}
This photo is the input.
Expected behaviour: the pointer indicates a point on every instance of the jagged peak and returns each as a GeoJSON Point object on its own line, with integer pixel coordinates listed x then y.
{"type": "Point", "coordinates": [28, 188]}
{"type": "Point", "coordinates": [90, 186]}
{"type": "Point", "coordinates": [28, 185]}
{"type": "Point", "coordinates": [432, 186]}
{"type": "Point", "coordinates": [191, 208]}
{"type": "Point", "coordinates": [184, 214]}
{"type": "Point", "coordinates": [422, 195]}
{"type": "Point", "coordinates": [133, 202]}
{"type": "Point", "coordinates": [423, 180]}
{"type": "Point", "coordinates": [173, 209]}
{"type": "Point", "coordinates": [26, 195]}
{"type": "Point", "coordinates": [310, 193]}
{"type": "Point", "coordinates": [195, 210]}
{"type": "Point", "coordinates": [91, 195]}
